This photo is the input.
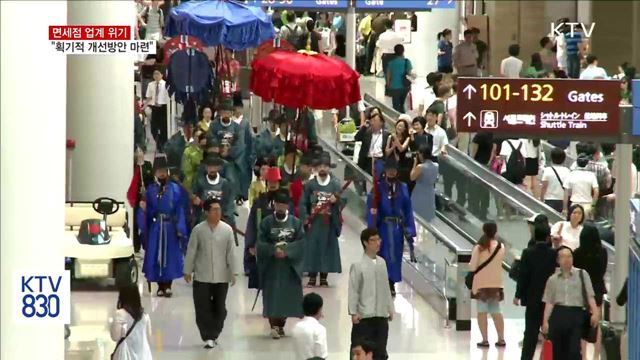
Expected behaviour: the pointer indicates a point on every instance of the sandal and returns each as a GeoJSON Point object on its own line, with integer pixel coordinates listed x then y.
{"type": "Point", "coordinates": [324, 282]}
{"type": "Point", "coordinates": [501, 343]}
{"type": "Point", "coordinates": [483, 344]}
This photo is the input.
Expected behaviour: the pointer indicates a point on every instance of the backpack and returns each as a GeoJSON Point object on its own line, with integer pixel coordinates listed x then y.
{"type": "Point", "coordinates": [515, 171]}
{"type": "Point", "coordinates": [296, 37]}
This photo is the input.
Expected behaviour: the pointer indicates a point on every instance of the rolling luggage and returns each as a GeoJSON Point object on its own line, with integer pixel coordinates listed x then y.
{"type": "Point", "coordinates": [610, 342]}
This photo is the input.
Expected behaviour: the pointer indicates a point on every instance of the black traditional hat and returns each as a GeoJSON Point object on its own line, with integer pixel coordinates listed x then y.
{"type": "Point", "coordinates": [290, 148]}
{"type": "Point", "coordinates": [160, 162]}
{"type": "Point", "coordinates": [282, 197]}
{"type": "Point", "coordinates": [391, 163]}
{"type": "Point", "coordinates": [325, 159]}
{"type": "Point", "coordinates": [226, 104]}
{"type": "Point", "coordinates": [212, 141]}
{"type": "Point", "coordinates": [306, 159]}
{"type": "Point", "coordinates": [213, 160]}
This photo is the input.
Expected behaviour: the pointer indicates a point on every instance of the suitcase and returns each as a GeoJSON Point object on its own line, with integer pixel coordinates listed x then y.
{"type": "Point", "coordinates": [610, 342]}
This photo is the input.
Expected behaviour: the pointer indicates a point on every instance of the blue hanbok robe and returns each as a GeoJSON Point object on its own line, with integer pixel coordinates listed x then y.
{"type": "Point", "coordinates": [394, 221]}
{"type": "Point", "coordinates": [167, 229]}
{"type": "Point", "coordinates": [322, 249]}
{"type": "Point", "coordinates": [266, 146]}
{"type": "Point", "coordinates": [261, 209]}
{"type": "Point", "coordinates": [245, 157]}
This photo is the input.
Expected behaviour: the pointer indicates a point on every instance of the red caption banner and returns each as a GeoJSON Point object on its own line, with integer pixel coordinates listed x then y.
{"type": "Point", "coordinates": [90, 32]}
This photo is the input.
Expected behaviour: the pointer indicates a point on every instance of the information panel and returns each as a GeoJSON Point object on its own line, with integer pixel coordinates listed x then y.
{"type": "Point", "coordinates": [539, 107]}
{"type": "Point", "coordinates": [301, 4]}
{"type": "Point", "coordinates": [405, 4]}
{"type": "Point", "coordinates": [635, 91]}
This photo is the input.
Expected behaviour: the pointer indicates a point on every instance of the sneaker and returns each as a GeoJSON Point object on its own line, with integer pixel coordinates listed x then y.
{"type": "Point", "coordinates": [209, 344]}
{"type": "Point", "coordinates": [275, 334]}
{"type": "Point", "coordinates": [281, 331]}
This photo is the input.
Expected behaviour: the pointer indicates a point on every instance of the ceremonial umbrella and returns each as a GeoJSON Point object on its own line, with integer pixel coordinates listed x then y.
{"type": "Point", "coordinates": [229, 23]}
{"type": "Point", "coordinates": [305, 79]}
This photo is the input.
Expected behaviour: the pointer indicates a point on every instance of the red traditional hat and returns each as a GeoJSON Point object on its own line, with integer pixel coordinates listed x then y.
{"type": "Point", "coordinates": [273, 174]}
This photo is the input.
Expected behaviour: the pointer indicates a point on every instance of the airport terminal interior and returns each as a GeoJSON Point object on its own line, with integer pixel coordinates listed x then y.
{"type": "Point", "coordinates": [403, 106]}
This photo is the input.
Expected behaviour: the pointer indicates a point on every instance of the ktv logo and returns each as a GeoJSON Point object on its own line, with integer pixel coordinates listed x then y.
{"type": "Point", "coordinates": [42, 297]}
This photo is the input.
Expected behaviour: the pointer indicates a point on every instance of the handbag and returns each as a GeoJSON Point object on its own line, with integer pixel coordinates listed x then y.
{"type": "Point", "coordinates": [406, 83]}
{"type": "Point", "coordinates": [589, 333]}
{"type": "Point", "coordinates": [547, 350]}
{"type": "Point", "coordinates": [119, 343]}
{"type": "Point", "coordinates": [468, 279]}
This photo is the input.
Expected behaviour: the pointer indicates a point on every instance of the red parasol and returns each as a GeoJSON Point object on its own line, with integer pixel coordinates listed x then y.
{"type": "Point", "coordinates": [304, 79]}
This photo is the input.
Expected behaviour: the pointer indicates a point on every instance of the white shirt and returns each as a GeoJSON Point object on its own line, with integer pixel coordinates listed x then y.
{"type": "Point", "coordinates": [505, 150]}
{"type": "Point", "coordinates": [375, 150]}
{"type": "Point", "coordinates": [570, 236]}
{"type": "Point", "coordinates": [511, 67]}
{"type": "Point", "coordinates": [439, 139]}
{"type": "Point", "coordinates": [136, 345]}
{"type": "Point", "coordinates": [388, 40]}
{"type": "Point", "coordinates": [555, 189]}
{"type": "Point", "coordinates": [310, 339]}
{"type": "Point", "coordinates": [593, 72]}
{"type": "Point", "coordinates": [426, 98]}
{"type": "Point", "coordinates": [581, 182]}
{"type": "Point", "coordinates": [533, 152]}
{"type": "Point", "coordinates": [163, 94]}
{"type": "Point", "coordinates": [561, 52]}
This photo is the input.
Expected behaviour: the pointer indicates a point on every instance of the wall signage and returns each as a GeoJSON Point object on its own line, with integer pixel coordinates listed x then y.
{"type": "Point", "coordinates": [539, 107]}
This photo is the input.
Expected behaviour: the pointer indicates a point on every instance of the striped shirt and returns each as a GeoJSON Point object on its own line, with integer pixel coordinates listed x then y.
{"type": "Point", "coordinates": [573, 43]}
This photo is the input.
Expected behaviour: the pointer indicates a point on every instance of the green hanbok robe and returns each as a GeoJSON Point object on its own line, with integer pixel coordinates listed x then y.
{"type": "Point", "coordinates": [322, 251]}
{"type": "Point", "coordinates": [281, 279]}
{"type": "Point", "coordinates": [221, 190]}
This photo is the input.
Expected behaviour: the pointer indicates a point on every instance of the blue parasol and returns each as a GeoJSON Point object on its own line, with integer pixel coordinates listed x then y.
{"type": "Point", "coordinates": [229, 23]}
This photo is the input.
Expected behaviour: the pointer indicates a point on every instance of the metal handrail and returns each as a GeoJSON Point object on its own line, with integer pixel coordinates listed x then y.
{"type": "Point", "coordinates": [432, 229]}
{"type": "Point", "coordinates": [458, 155]}
{"type": "Point", "coordinates": [447, 265]}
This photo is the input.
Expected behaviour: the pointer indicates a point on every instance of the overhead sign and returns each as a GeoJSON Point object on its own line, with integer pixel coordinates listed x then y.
{"type": "Point", "coordinates": [635, 93]}
{"type": "Point", "coordinates": [405, 4]}
{"type": "Point", "coordinates": [539, 107]}
{"type": "Point", "coordinates": [302, 4]}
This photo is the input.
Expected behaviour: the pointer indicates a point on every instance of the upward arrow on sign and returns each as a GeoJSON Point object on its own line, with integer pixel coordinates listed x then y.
{"type": "Point", "coordinates": [469, 116]}
{"type": "Point", "coordinates": [469, 89]}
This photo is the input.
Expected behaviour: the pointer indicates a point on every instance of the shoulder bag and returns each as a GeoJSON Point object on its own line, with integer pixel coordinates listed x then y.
{"type": "Point", "coordinates": [122, 339]}
{"type": "Point", "coordinates": [406, 82]}
{"type": "Point", "coordinates": [468, 279]}
{"type": "Point", "coordinates": [557, 177]}
{"type": "Point", "coordinates": [589, 333]}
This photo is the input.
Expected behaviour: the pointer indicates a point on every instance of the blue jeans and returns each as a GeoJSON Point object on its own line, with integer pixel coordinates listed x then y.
{"type": "Point", "coordinates": [573, 66]}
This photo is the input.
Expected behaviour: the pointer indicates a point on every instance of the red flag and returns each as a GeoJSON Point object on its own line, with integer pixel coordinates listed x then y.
{"type": "Point", "coordinates": [132, 193]}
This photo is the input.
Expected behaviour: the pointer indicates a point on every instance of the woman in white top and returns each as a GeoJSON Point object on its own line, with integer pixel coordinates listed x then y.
{"type": "Point", "coordinates": [567, 233]}
{"type": "Point", "coordinates": [553, 179]}
{"type": "Point", "coordinates": [532, 166]}
{"type": "Point", "coordinates": [131, 323]}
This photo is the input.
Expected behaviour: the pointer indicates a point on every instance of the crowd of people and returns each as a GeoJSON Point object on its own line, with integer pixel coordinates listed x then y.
{"type": "Point", "coordinates": [186, 201]}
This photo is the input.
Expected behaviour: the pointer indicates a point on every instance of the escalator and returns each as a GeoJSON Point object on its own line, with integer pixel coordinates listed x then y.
{"type": "Point", "coordinates": [462, 178]}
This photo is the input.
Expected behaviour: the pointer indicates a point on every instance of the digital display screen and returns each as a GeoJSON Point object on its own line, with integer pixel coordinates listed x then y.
{"type": "Point", "coordinates": [635, 93]}
{"type": "Point", "coordinates": [301, 4]}
{"type": "Point", "coordinates": [405, 4]}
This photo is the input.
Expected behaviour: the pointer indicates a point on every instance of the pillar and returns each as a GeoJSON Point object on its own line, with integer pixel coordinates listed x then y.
{"type": "Point", "coordinates": [32, 140]}
{"type": "Point", "coordinates": [423, 50]}
{"type": "Point", "coordinates": [350, 23]}
{"type": "Point", "coordinates": [622, 216]}
{"type": "Point", "coordinates": [100, 96]}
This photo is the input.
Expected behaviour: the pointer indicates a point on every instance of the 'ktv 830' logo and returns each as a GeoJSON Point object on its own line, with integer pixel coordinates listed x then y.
{"type": "Point", "coordinates": [42, 297]}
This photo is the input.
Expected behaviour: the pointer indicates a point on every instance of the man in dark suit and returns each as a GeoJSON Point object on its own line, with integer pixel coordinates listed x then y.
{"type": "Point", "coordinates": [374, 140]}
{"type": "Point", "coordinates": [537, 264]}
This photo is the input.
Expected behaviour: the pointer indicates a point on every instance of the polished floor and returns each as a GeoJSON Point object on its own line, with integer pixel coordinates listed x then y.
{"type": "Point", "coordinates": [417, 332]}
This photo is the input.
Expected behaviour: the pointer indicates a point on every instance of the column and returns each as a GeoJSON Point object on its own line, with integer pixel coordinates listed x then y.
{"type": "Point", "coordinates": [622, 220]}
{"type": "Point", "coordinates": [350, 23]}
{"type": "Point", "coordinates": [423, 49]}
{"type": "Point", "coordinates": [32, 140]}
{"type": "Point", "coordinates": [100, 97]}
